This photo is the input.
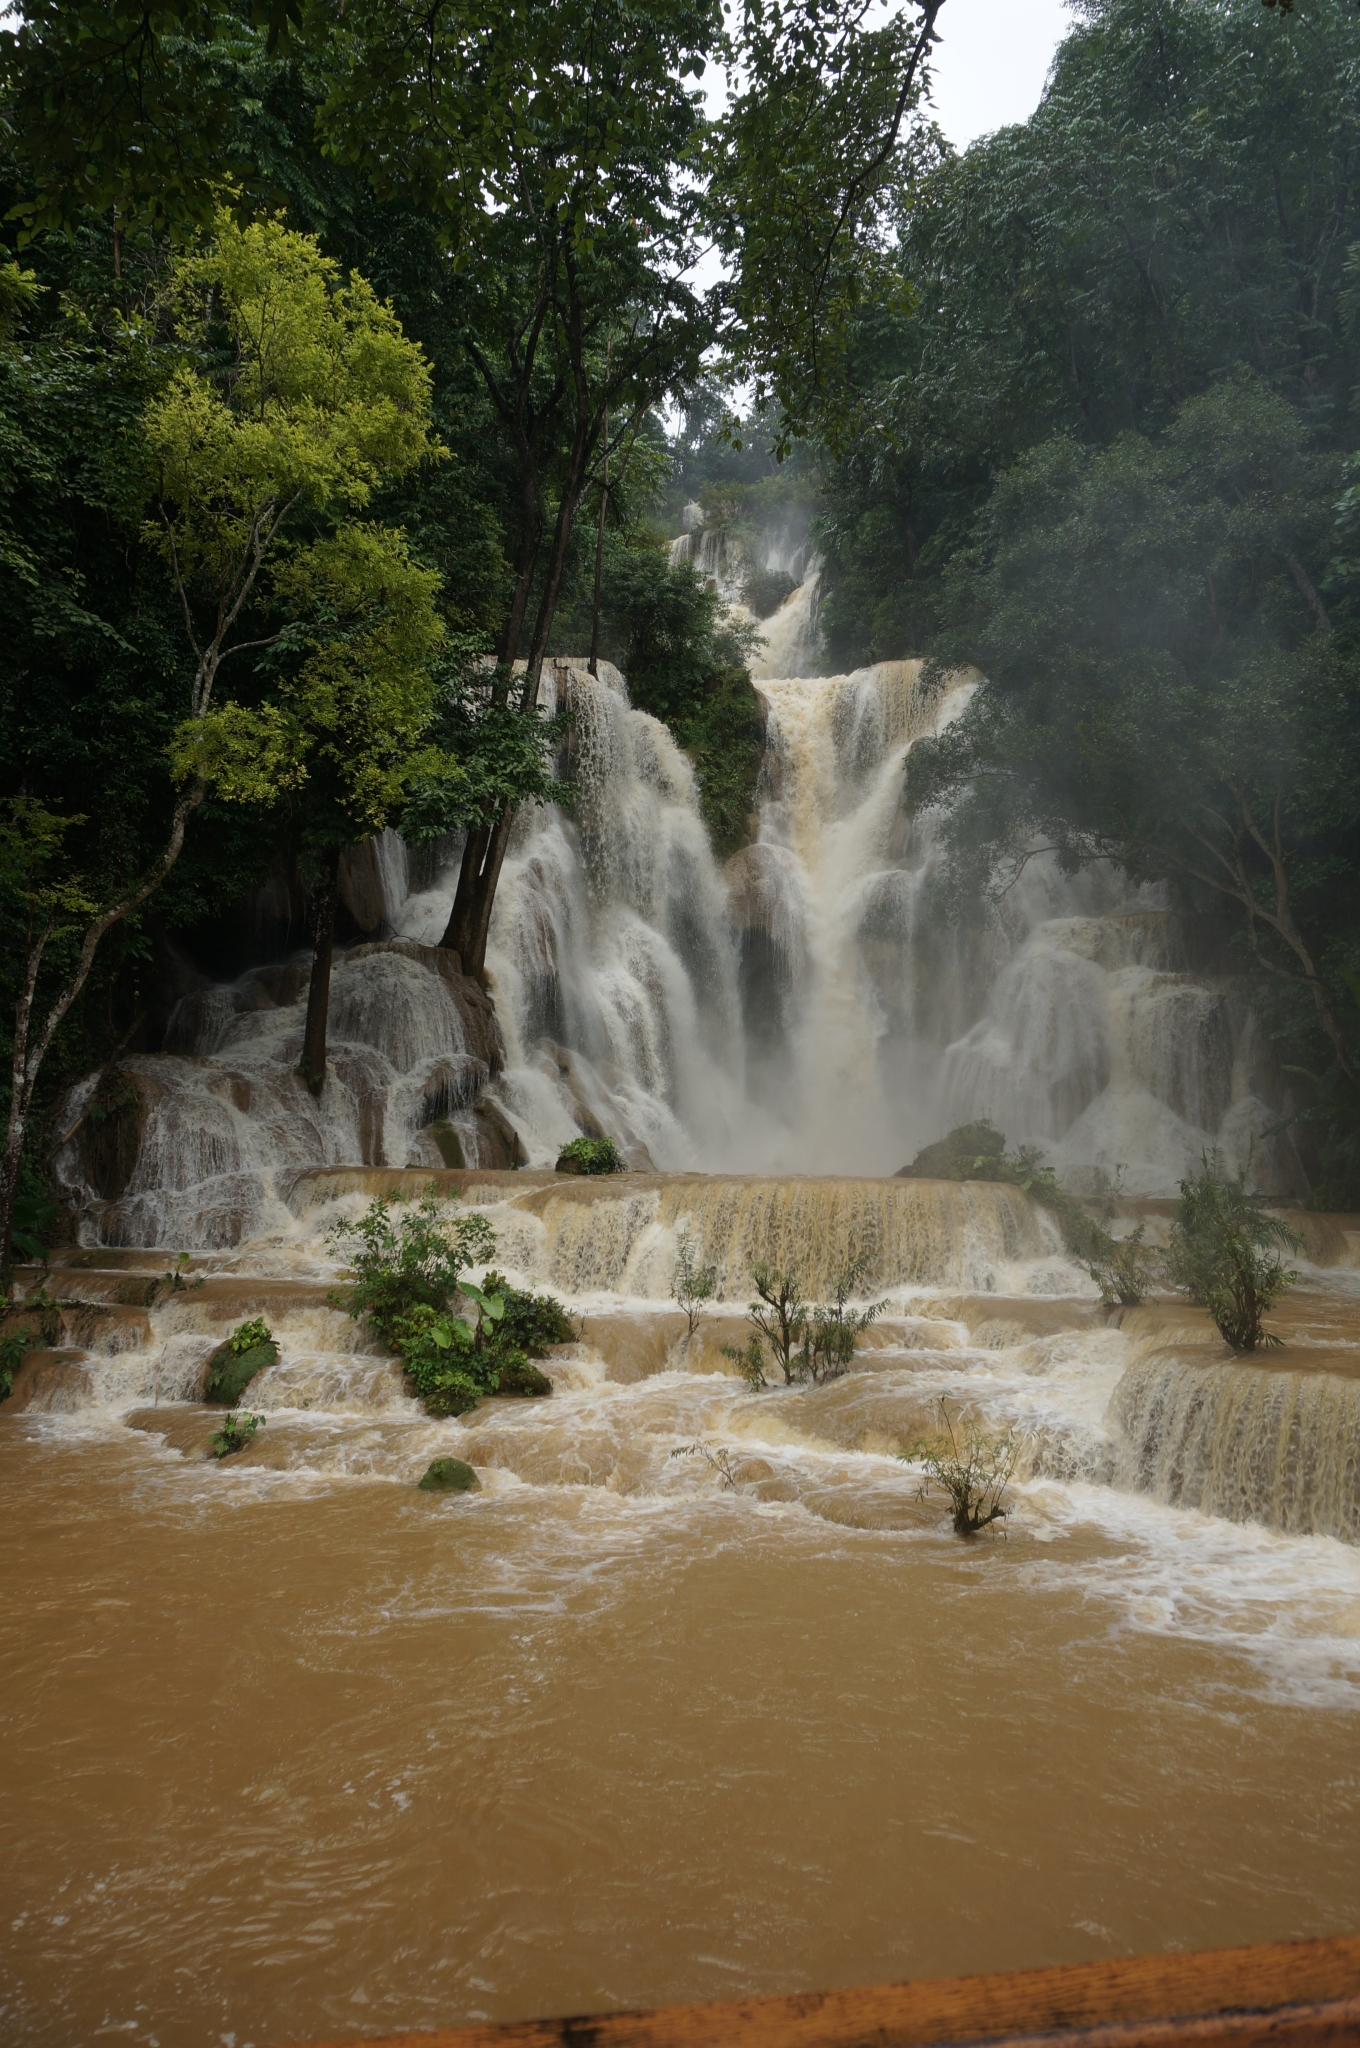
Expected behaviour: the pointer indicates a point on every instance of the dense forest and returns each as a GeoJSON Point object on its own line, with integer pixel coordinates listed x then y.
{"type": "Point", "coordinates": [364, 359]}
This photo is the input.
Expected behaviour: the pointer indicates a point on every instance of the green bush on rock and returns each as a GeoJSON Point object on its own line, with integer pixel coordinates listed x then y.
{"type": "Point", "coordinates": [449, 1475]}
{"type": "Point", "coordinates": [590, 1155]}
{"type": "Point", "coordinates": [249, 1350]}
{"type": "Point", "coordinates": [409, 1279]}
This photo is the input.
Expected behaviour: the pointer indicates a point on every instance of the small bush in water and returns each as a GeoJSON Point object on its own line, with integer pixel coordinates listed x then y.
{"type": "Point", "coordinates": [249, 1336]}
{"type": "Point", "coordinates": [970, 1467]}
{"type": "Point", "coordinates": [590, 1155]}
{"type": "Point", "coordinates": [1226, 1251]}
{"type": "Point", "coordinates": [691, 1284]}
{"type": "Point", "coordinates": [806, 1341]}
{"type": "Point", "coordinates": [236, 1432]}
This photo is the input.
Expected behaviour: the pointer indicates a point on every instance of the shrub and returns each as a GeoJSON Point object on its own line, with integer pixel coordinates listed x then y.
{"type": "Point", "coordinates": [806, 1341]}
{"type": "Point", "coordinates": [13, 1345]}
{"type": "Point", "coordinates": [236, 1432]}
{"type": "Point", "coordinates": [972, 1468]}
{"type": "Point", "coordinates": [765, 590]}
{"type": "Point", "coordinates": [831, 1330]}
{"type": "Point", "coordinates": [716, 1457]}
{"type": "Point", "coordinates": [408, 1276]}
{"type": "Point", "coordinates": [411, 1264]}
{"type": "Point", "coordinates": [590, 1155]}
{"type": "Point", "coordinates": [1226, 1252]}
{"type": "Point", "coordinates": [1127, 1271]}
{"type": "Point", "coordinates": [691, 1284]}
{"type": "Point", "coordinates": [249, 1336]}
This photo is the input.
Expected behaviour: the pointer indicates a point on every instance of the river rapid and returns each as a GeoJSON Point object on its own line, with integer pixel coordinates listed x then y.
{"type": "Point", "coordinates": [294, 1751]}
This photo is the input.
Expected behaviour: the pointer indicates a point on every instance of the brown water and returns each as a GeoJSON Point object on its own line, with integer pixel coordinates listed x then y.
{"type": "Point", "coordinates": [295, 1751]}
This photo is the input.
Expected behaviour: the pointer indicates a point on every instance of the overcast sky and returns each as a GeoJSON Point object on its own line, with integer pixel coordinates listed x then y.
{"type": "Point", "coordinates": [991, 62]}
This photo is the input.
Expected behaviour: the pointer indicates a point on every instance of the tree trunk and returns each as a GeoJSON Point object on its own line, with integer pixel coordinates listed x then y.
{"type": "Point", "coordinates": [9, 1188]}
{"type": "Point", "coordinates": [470, 918]}
{"type": "Point", "coordinates": [312, 1065]}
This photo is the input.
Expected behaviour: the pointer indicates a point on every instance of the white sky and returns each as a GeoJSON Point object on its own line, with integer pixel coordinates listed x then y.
{"type": "Point", "coordinates": [991, 62]}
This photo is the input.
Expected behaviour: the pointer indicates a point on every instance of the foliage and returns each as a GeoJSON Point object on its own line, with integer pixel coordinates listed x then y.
{"type": "Point", "coordinates": [972, 1469]}
{"type": "Point", "coordinates": [590, 1155]}
{"type": "Point", "coordinates": [246, 1336]}
{"type": "Point", "coordinates": [832, 1330]}
{"type": "Point", "coordinates": [13, 1344]}
{"type": "Point", "coordinates": [531, 1322]}
{"type": "Point", "coordinates": [691, 1284]}
{"type": "Point", "coordinates": [1127, 1270]}
{"type": "Point", "coordinates": [716, 1456]}
{"type": "Point", "coordinates": [778, 1320]}
{"type": "Point", "coordinates": [408, 1276]}
{"type": "Point", "coordinates": [807, 1342]}
{"type": "Point", "coordinates": [411, 1262]}
{"type": "Point", "coordinates": [490, 756]}
{"type": "Point", "coordinates": [978, 1152]}
{"type": "Point", "coordinates": [35, 1214]}
{"type": "Point", "coordinates": [1226, 1251]}
{"type": "Point", "coordinates": [236, 1434]}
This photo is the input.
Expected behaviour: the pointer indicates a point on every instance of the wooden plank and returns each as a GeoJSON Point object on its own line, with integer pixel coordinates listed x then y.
{"type": "Point", "coordinates": [1287, 1994]}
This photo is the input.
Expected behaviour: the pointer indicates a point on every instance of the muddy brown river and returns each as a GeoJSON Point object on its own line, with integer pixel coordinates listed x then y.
{"type": "Point", "coordinates": [294, 1751]}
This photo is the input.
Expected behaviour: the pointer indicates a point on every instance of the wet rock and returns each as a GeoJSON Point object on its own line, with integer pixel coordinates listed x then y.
{"type": "Point", "coordinates": [50, 1383]}
{"type": "Point", "coordinates": [112, 1128]}
{"type": "Point", "coordinates": [230, 1372]}
{"type": "Point", "coordinates": [524, 1380]}
{"type": "Point", "coordinates": [450, 1475]}
{"type": "Point", "coordinates": [499, 1144]}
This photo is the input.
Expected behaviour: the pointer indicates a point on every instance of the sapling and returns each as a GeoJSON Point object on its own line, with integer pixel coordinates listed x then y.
{"type": "Point", "coordinates": [831, 1330]}
{"type": "Point", "coordinates": [1226, 1252]}
{"type": "Point", "coordinates": [717, 1457]}
{"type": "Point", "coordinates": [691, 1284]}
{"type": "Point", "coordinates": [972, 1468]}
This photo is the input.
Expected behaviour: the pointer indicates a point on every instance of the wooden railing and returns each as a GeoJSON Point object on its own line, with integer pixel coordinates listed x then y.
{"type": "Point", "coordinates": [1290, 1994]}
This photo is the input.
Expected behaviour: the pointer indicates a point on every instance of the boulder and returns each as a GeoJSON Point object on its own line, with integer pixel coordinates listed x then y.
{"type": "Point", "coordinates": [499, 1144]}
{"type": "Point", "coordinates": [450, 1475]}
{"type": "Point", "coordinates": [230, 1372]}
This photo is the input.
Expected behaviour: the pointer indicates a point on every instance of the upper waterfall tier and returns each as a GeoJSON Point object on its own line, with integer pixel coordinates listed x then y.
{"type": "Point", "coordinates": [803, 1010]}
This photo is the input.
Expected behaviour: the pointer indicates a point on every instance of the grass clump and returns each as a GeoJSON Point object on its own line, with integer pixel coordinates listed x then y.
{"type": "Point", "coordinates": [1228, 1254]}
{"type": "Point", "coordinates": [236, 1432]}
{"type": "Point", "coordinates": [970, 1467]}
{"type": "Point", "coordinates": [457, 1342]}
{"type": "Point", "coordinates": [590, 1155]}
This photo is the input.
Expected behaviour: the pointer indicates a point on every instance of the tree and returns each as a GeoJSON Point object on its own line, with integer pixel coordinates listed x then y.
{"type": "Point", "coordinates": [1166, 689]}
{"type": "Point", "coordinates": [556, 139]}
{"type": "Point", "coordinates": [296, 397]}
{"type": "Point", "coordinates": [1226, 1252]}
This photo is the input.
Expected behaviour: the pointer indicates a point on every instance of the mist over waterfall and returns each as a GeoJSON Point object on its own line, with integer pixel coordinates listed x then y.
{"type": "Point", "coordinates": [799, 1010]}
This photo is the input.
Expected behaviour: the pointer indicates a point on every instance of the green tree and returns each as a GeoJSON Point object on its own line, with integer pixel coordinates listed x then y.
{"type": "Point", "coordinates": [1165, 687]}
{"type": "Point", "coordinates": [298, 395]}
{"type": "Point", "coordinates": [1226, 1251]}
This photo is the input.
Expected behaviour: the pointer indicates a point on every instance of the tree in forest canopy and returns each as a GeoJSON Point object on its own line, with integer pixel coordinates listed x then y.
{"type": "Point", "coordinates": [298, 396]}
{"type": "Point", "coordinates": [1165, 686]}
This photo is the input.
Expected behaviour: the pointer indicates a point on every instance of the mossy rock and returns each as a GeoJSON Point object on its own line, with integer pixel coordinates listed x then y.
{"type": "Point", "coordinates": [970, 1152]}
{"type": "Point", "coordinates": [230, 1372]}
{"type": "Point", "coordinates": [525, 1380]}
{"type": "Point", "coordinates": [450, 1475]}
{"type": "Point", "coordinates": [590, 1155]}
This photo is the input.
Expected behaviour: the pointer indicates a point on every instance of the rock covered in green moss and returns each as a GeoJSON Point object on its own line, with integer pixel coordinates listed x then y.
{"type": "Point", "coordinates": [230, 1371]}
{"type": "Point", "coordinates": [590, 1155]}
{"type": "Point", "coordinates": [450, 1475]}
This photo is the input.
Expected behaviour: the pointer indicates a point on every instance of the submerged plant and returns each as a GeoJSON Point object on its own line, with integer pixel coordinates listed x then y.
{"type": "Point", "coordinates": [1127, 1271]}
{"type": "Point", "coordinates": [715, 1456]}
{"type": "Point", "coordinates": [236, 1432]}
{"type": "Point", "coordinates": [691, 1284]}
{"type": "Point", "coordinates": [1227, 1253]}
{"type": "Point", "coordinates": [969, 1466]}
{"type": "Point", "coordinates": [831, 1330]}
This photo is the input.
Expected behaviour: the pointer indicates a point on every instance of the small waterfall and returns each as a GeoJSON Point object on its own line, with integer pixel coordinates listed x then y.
{"type": "Point", "coordinates": [1246, 1442]}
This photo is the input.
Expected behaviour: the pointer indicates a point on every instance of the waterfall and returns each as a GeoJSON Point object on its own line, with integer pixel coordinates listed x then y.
{"type": "Point", "coordinates": [802, 1010]}
{"type": "Point", "coordinates": [1246, 1442]}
